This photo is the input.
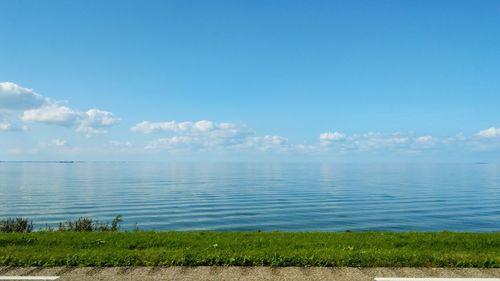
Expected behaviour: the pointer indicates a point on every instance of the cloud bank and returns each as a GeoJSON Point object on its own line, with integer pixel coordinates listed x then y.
{"type": "Point", "coordinates": [36, 108]}
{"type": "Point", "coordinates": [15, 97]}
{"type": "Point", "coordinates": [206, 135]}
{"type": "Point", "coordinates": [21, 106]}
{"type": "Point", "coordinates": [6, 126]}
{"type": "Point", "coordinates": [404, 142]}
{"type": "Point", "coordinates": [489, 133]}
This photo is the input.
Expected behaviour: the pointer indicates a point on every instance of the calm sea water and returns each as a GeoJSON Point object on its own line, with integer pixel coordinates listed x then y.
{"type": "Point", "coordinates": [250, 197]}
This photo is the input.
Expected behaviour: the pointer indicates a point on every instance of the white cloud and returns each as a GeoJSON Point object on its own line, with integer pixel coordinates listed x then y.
{"type": "Point", "coordinates": [120, 144]}
{"type": "Point", "coordinates": [207, 135]}
{"type": "Point", "coordinates": [52, 114]}
{"type": "Point", "coordinates": [36, 108]}
{"type": "Point", "coordinates": [202, 133]}
{"type": "Point", "coordinates": [397, 140]}
{"type": "Point", "coordinates": [266, 143]}
{"type": "Point", "coordinates": [274, 140]}
{"type": "Point", "coordinates": [6, 126]}
{"type": "Point", "coordinates": [425, 140]}
{"type": "Point", "coordinates": [59, 142]}
{"type": "Point", "coordinates": [203, 126]}
{"type": "Point", "coordinates": [213, 138]}
{"type": "Point", "coordinates": [94, 121]}
{"type": "Point", "coordinates": [335, 136]}
{"type": "Point", "coordinates": [15, 97]}
{"type": "Point", "coordinates": [375, 142]}
{"type": "Point", "coordinates": [148, 127]}
{"type": "Point", "coordinates": [172, 143]}
{"type": "Point", "coordinates": [489, 133]}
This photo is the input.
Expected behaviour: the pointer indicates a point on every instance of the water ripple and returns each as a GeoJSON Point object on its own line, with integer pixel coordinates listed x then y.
{"type": "Point", "coordinates": [249, 197]}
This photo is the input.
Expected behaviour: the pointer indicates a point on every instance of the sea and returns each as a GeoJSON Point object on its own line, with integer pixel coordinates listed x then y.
{"type": "Point", "coordinates": [256, 196]}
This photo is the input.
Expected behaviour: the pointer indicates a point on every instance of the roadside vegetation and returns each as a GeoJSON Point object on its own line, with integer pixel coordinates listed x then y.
{"type": "Point", "coordinates": [148, 248]}
{"type": "Point", "coordinates": [19, 225]}
{"type": "Point", "coordinates": [83, 224]}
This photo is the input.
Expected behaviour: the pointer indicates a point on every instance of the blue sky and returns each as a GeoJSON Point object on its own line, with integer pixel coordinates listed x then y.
{"type": "Point", "coordinates": [250, 80]}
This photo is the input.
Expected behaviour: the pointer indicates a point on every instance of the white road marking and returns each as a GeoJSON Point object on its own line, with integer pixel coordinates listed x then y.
{"type": "Point", "coordinates": [435, 279]}
{"type": "Point", "coordinates": [29, 277]}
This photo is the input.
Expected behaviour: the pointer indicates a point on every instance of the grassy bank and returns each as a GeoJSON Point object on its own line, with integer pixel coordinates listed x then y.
{"type": "Point", "coordinates": [249, 249]}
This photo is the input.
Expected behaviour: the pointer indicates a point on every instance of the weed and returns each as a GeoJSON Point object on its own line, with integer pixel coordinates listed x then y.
{"type": "Point", "coordinates": [16, 225]}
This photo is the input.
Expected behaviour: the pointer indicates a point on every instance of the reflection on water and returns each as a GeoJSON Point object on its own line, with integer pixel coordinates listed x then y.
{"type": "Point", "coordinates": [249, 197]}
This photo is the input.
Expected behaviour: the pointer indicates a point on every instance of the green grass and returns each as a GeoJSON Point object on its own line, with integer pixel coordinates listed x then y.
{"type": "Point", "coordinates": [443, 249]}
